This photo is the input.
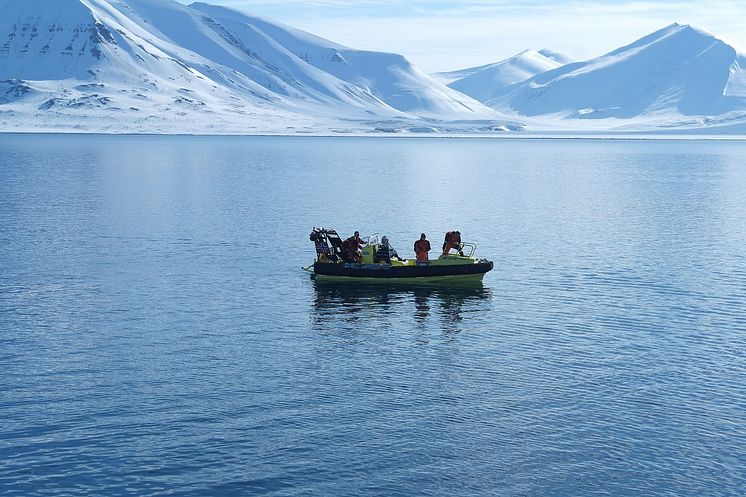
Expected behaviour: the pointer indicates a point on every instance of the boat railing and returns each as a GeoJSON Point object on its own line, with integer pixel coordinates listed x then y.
{"type": "Point", "coordinates": [373, 239]}
{"type": "Point", "coordinates": [472, 247]}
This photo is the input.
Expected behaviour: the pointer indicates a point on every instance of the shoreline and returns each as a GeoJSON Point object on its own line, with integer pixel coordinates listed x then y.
{"type": "Point", "coordinates": [600, 136]}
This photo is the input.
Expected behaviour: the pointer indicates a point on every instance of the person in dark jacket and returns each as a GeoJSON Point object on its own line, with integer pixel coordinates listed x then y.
{"type": "Point", "coordinates": [385, 252]}
{"type": "Point", "coordinates": [347, 251]}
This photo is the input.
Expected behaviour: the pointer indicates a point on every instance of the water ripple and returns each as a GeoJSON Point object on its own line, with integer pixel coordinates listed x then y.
{"type": "Point", "coordinates": [157, 336]}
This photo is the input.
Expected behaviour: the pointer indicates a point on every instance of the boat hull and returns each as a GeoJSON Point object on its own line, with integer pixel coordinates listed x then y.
{"type": "Point", "coordinates": [373, 273]}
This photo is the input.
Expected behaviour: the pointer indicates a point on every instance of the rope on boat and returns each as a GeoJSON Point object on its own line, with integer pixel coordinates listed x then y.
{"type": "Point", "coordinates": [308, 268]}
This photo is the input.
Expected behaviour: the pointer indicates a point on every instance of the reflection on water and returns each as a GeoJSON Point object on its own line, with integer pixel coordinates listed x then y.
{"type": "Point", "coordinates": [355, 303]}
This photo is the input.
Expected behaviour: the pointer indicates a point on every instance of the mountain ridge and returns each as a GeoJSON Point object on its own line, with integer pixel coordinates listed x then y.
{"type": "Point", "coordinates": [157, 66]}
{"type": "Point", "coordinates": [675, 70]}
{"type": "Point", "coordinates": [146, 61]}
{"type": "Point", "coordinates": [483, 81]}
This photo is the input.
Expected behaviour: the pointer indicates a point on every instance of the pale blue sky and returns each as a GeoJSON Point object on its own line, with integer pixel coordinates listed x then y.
{"type": "Point", "coordinates": [437, 35]}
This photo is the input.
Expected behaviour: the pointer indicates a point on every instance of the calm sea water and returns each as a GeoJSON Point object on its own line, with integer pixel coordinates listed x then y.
{"type": "Point", "coordinates": [158, 336]}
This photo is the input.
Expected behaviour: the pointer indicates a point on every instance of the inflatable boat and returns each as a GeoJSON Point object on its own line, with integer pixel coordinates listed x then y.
{"type": "Point", "coordinates": [378, 262]}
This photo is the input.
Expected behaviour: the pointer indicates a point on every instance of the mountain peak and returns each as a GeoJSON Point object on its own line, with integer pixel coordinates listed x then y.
{"type": "Point", "coordinates": [522, 53]}
{"type": "Point", "coordinates": [480, 83]}
{"type": "Point", "coordinates": [49, 40]}
{"type": "Point", "coordinates": [685, 34]}
{"type": "Point", "coordinates": [61, 9]}
{"type": "Point", "coordinates": [679, 69]}
{"type": "Point", "coordinates": [158, 58]}
{"type": "Point", "coordinates": [695, 29]}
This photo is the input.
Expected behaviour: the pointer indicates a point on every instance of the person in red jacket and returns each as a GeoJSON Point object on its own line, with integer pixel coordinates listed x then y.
{"type": "Point", "coordinates": [453, 240]}
{"type": "Point", "coordinates": [354, 245]}
{"type": "Point", "coordinates": [421, 248]}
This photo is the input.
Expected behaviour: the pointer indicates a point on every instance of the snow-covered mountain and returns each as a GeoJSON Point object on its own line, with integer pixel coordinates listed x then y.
{"type": "Point", "coordinates": [660, 79]}
{"type": "Point", "coordinates": [482, 82]}
{"type": "Point", "coordinates": [158, 65]}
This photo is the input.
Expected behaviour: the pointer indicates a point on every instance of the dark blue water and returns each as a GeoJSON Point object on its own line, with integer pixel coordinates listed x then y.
{"type": "Point", "coordinates": [158, 337]}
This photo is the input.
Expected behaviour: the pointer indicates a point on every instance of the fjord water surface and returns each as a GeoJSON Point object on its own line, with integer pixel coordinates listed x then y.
{"type": "Point", "coordinates": [158, 336]}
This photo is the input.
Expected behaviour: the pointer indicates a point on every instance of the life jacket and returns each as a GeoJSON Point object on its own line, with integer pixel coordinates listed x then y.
{"type": "Point", "coordinates": [421, 246]}
{"type": "Point", "coordinates": [355, 243]}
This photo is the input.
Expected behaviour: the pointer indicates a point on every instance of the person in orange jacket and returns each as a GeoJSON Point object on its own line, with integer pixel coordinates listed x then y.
{"type": "Point", "coordinates": [421, 248]}
{"type": "Point", "coordinates": [453, 240]}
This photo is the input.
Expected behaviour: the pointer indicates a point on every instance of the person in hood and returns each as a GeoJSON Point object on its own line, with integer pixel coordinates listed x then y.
{"type": "Point", "coordinates": [421, 248]}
